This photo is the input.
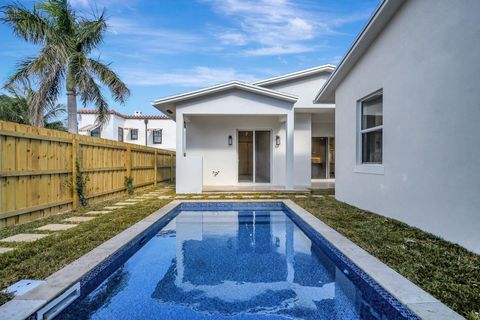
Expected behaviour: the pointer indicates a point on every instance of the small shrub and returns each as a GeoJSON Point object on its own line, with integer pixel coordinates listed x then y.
{"type": "Point", "coordinates": [129, 184]}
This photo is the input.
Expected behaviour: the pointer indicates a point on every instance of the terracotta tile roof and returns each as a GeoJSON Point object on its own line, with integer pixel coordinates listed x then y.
{"type": "Point", "coordinates": [125, 116]}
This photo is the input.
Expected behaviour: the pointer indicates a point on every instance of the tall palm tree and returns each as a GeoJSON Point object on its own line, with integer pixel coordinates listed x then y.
{"type": "Point", "coordinates": [67, 40]}
{"type": "Point", "coordinates": [16, 108]}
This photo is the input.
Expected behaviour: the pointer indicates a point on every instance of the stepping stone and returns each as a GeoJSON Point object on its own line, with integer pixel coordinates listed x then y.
{"type": "Point", "coordinates": [24, 237]}
{"type": "Point", "coordinates": [230, 197]}
{"type": "Point", "coordinates": [123, 204]}
{"type": "Point", "coordinates": [5, 249]}
{"type": "Point", "coordinates": [181, 197]}
{"type": "Point", "coordinates": [197, 197]}
{"type": "Point", "coordinates": [265, 196]}
{"type": "Point", "coordinates": [132, 200]}
{"type": "Point", "coordinates": [78, 219]}
{"type": "Point", "coordinates": [300, 196]}
{"type": "Point", "coordinates": [57, 227]}
{"type": "Point", "coordinates": [317, 196]}
{"type": "Point", "coordinates": [98, 212]}
{"type": "Point", "coordinates": [164, 197]}
{"type": "Point", "coordinates": [249, 197]}
{"type": "Point", "coordinates": [213, 197]}
{"type": "Point", "coordinates": [114, 207]}
{"type": "Point", "coordinates": [331, 195]}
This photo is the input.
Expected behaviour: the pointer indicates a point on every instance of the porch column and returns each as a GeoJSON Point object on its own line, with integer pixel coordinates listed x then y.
{"type": "Point", "coordinates": [289, 150]}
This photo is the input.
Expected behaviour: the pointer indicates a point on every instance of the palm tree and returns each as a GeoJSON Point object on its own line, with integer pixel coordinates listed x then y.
{"type": "Point", "coordinates": [16, 108]}
{"type": "Point", "coordinates": [66, 40]}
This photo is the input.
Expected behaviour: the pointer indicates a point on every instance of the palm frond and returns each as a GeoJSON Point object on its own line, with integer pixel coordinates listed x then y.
{"type": "Point", "coordinates": [28, 25]}
{"type": "Point", "coordinates": [88, 89]}
{"type": "Point", "coordinates": [90, 33]}
{"type": "Point", "coordinates": [49, 90]}
{"type": "Point", "coordinates": [118, 88]}
{"type": "Point", "coordinates": [60, 14]}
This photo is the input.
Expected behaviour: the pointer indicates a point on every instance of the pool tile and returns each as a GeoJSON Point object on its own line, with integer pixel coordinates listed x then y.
{"type": "Point", "coordinates": [24, 237]}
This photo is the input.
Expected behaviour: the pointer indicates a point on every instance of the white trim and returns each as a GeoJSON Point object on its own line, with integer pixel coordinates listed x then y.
{"type": "Point", "coordinates": [296, 75]}
{"type": "Point", "coordinates": [222, 87]}
{"type": "Point", "coordinates": [359, 165]}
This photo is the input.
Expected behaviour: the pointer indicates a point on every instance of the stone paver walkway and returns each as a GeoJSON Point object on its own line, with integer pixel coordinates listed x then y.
{"type": "Point", "coordinates": [57, 227]}
{"type": "Point", "coordinates": [98, 212]}
{"type": "Point", "coordinates": [24, 237]}
{"type": "Point", "coordinates": [78, 219]}
{"type": "Point", "coordinates": [5, 249]}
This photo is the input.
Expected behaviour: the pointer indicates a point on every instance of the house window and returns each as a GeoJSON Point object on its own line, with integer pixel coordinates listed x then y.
{"type": "Point", "coordinates": [120, 134]}
{"type": "Point", "coordinates": [157, 136]}
{"type": "Point", "coordinates": [133, 134]}
{"type": "Point", "coordinates": [371, 129]}
{"type": "Point", "coordinates": [95, 132]}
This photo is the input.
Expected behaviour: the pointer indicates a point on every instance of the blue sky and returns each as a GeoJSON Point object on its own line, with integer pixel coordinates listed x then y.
{"type": "Point", "coordinates": [164, 47]}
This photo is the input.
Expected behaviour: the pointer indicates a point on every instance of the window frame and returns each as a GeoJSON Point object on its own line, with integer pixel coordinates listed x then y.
{"type": "Point", "coordinates": [97, 129]}
{"type": "Point", "coordinates": [368, 167]}
{"type": "Point", "coordinates": [153, 136]}
{"type": "Point", "coordinates": [120, 129]}
{"type": "Point", "coordinates": [131, 134]}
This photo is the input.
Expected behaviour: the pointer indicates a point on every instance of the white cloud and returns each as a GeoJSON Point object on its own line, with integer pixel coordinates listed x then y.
{"type": "Point", "coordinates": [233, 38]}
{"type": "Point", "coordinates": [279, 50]}
{"type": "Point", "coordinates": [278, 27]}
{"type": "Point", "coordinates": [196, 77]}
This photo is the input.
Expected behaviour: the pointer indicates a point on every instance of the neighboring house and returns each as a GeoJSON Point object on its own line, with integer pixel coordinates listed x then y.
{"type": "Point", "coordinates": [156, 131]}
{"type": "Point", "coordinates": [268, 134]}
{"type": "Point", "coordinates": [407, 97]}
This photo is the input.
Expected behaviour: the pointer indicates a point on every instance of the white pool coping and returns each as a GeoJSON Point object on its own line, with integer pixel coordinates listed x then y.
{"type": "Point", "coordinates": [422, 304]}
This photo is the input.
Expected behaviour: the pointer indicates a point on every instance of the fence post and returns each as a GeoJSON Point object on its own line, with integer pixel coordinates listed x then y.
{"type": "Point", "coordinates": [74, 172]}
{"type": "Point", "coordinates": [155, 168]}
{"type": "Point", "coordinates": [128, 161]}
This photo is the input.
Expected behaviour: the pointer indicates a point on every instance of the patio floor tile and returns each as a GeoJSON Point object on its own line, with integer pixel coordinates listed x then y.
{"type": "Point", "coordinates": [300, 196]}
{"type": "Point", "coordinates": [57, 227]}
{"type": "Point", "coordinates": [213, 197]}
{"type": "Point", "coordinates": [318, 196]}
{"type": "Point", "coordinates": [181, 197]}
{"type": "Point", "coordinates": [123, 204]}
{"type": "Point", "coordinates": [114, 207]}
{"type": "Point", "coordinates": [164, 197]}
{"type": "Point", "coordinates": [24, 237]}
{"type": "Point", "coordinates": [197, 197]}
{"type": "Point", "coordinates": [78, 219]}
{"type": "Point", "coordinates": [5, 249]}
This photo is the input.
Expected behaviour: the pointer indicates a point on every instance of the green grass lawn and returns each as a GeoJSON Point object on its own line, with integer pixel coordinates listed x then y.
{"type": "Point", "coordinates": [445, 270]}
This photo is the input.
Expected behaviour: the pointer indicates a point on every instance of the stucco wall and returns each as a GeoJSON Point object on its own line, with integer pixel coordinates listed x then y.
{"type": "Point", "coordinates": [207, 137]}
{"type": "Point", "coordinates": [110, 130]}
{"type": "Point", "coordinates": [427, 63]}
{"type": "Point", "coordinates": [305, 88]}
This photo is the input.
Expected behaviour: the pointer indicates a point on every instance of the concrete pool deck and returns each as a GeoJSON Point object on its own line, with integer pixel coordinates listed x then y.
{"type": "Point", "coordinates": [414, 298]}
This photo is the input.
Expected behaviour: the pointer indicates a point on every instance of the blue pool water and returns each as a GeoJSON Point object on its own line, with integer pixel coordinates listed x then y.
{"type": "Point", "coordinates": [236, 264]}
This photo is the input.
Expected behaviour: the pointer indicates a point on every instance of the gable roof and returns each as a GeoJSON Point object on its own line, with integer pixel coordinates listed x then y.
{"type": "Point", "coordinates": [296, 75]}
{"type": "Point", "coordinates": [125, 116]}
{"type": "Point", "coordinates": [380, 18]}
{"type": "Point", "coordinates": [224, 87]}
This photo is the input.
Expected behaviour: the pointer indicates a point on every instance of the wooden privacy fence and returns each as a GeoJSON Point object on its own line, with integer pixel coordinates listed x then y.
{"type": "Point", "coordinates": [37, 170]}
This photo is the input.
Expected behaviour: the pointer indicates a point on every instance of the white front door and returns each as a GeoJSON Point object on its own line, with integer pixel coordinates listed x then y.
{"type": "Point", "coordinates": [254, 156]}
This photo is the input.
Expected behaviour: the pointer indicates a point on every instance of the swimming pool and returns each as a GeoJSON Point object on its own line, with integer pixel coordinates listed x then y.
{"type": "Point", "coordinates": [232, 261]}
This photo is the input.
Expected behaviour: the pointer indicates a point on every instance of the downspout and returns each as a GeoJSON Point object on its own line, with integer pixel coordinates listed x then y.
{"type": "Point", "coordinates": [146, 132]}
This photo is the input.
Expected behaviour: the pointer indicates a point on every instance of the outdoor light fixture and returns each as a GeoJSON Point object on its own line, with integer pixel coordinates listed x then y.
{"type": "Point", "coordinates": [277, 141]}
{"type": "Point", "coordinates": [230, 140]}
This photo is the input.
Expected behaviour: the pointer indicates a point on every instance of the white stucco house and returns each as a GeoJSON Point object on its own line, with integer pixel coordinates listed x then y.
{"type": "Point", "coordinates": [407, 120]}
{"type": "Point", "coordinates": [156, 131]}
{"type": "Point", "coordinates": [267, 134]}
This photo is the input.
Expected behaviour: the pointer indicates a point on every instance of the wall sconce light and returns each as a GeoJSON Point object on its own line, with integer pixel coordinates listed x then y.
{"type": "Point", "coordinates": [277, 141]}
{"type": "Point", "coordinates": [230, 140]}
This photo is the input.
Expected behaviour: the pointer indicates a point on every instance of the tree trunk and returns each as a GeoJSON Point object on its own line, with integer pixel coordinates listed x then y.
{"type": "Point", "coordinates": [72, 111]}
